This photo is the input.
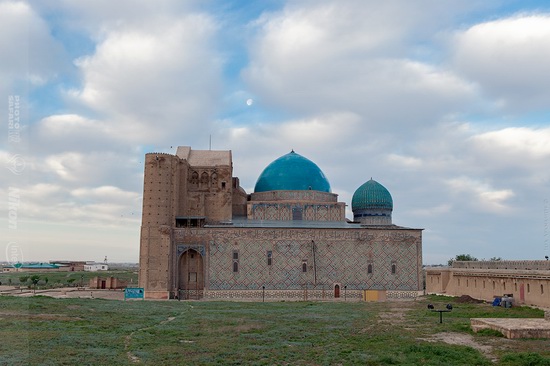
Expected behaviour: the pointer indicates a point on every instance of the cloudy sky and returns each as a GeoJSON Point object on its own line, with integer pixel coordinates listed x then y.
{"type": "Point", "coordinates": [445, 103]}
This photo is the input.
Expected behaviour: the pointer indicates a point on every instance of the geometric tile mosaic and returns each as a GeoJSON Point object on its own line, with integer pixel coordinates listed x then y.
{"type": "Point", "coordinates": [331, 256]}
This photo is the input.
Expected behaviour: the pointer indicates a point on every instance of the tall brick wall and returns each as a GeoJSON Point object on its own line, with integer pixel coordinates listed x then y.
{"type": "Point", "coordinates": [161, 188]}
{"type": "Point", "coordinates": [209, 193]}
{"type": "Point", "coordinates": [332, 256]}
{"type": "Point", "coordinates": [173, 188]}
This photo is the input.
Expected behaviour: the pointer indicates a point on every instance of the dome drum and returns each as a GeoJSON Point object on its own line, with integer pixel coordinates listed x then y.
{"type": "Point", "coordinates": [294, 196]}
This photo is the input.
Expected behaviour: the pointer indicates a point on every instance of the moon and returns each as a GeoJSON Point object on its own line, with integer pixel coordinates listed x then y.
{"type": "Point", "coordinates": [249, 102]}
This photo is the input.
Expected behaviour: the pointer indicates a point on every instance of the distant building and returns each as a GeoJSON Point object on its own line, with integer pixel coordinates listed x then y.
{"type": "Point", "coordinates": [203, 236]}
{"type": "Point", "coordinates": [94, 267]}
{"type": "Point", "coordinates": [74, 266]}
{"type": "Point", "coordinates": [527, 281]}
{"type": "Point", "coordinates": [107, 283]}
{"type": "Point", "coordinates": [35, 267]}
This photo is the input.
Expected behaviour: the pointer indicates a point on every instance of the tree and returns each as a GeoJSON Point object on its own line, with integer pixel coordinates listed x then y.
{"type": "Point", "coordinates": [495, 259]}
{"type": "Point", "coordinates": [34, 280]}
{"type": "Point", "coordinates": [23, 279]}
{"type": "Point", "coordinates": [462, 257]}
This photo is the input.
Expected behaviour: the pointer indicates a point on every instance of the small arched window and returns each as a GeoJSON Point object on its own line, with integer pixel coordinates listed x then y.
{"type": "Point", "coordinates": [214, 179]}
{"type": "Point", "coordinates": [304, 266]}
{"type": "Point", "coordinates": [194, 178]}
{"type": "Point", "coordinates": [393, 268]}
{"type": "Point", "coordinates": [204, 178]}
{"type": "Point", "coordinates": [369, 268]}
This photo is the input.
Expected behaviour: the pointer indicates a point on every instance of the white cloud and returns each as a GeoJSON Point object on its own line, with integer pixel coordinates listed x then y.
{"type": "Point", "coordinates": [480, 194]}
{"type": "Point", "coordinates": [508, 58]}
{"type": "Point", "coordinates": [106, 193]}
{"type": "Point", "coordinates": [66, 165]}
{"type": "Point", "coordinates": [154, 80]}
{"type": "Point", "coordinates": [522, 142]}
{"type": "Point", "coordinates": [318, 58]}
{"type": "Point", "coordinates": [408, 162]}
{"type": "Point", "coordinates": [55, 203]}
{"type": "Point", "coordinates": [433, 211]}
{"type": "Point", "coordinates": [29, 51]}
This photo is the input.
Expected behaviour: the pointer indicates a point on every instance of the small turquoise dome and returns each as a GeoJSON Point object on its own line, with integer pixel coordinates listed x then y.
{"type": "Point", "coordinates": [371, 195]}
{"type": "Point", "coordinates": [292, 172]}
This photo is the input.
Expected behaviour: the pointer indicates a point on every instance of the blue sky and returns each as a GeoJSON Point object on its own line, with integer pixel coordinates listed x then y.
{"type": "Point", "coordinates": [443, 102]}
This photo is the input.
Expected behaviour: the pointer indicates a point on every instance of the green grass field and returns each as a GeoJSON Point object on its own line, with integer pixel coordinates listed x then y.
{"type": "Point", "coordinates": [47, 331]}
{"type": "Point", "coordinates": [61, 279]}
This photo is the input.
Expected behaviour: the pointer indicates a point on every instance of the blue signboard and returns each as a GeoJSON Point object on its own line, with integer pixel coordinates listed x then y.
{"type": "Point", "coordinates": [134, 293]}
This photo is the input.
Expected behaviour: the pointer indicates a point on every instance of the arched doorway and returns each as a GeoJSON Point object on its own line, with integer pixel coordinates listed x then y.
{"type": "Point", "coordinates": [336, 291]}
{"type": "Point", "coordinates": [191, 275]}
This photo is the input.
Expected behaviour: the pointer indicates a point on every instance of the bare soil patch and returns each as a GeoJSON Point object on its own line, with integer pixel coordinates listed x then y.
{"type": "Point", "coordinates": [466, 299]}
{"type": "Point", "coordinates": [463, 339]}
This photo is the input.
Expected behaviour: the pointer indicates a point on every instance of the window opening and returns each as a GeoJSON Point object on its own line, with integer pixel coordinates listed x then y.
{"type": "Point", "coordinates": [235, 261]}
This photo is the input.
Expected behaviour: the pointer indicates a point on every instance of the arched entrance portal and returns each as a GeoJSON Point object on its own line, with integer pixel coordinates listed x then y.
{"type": "Point", "coordinates": [336, 291]}
{"type": "Point", "coordinates": [191, 275]}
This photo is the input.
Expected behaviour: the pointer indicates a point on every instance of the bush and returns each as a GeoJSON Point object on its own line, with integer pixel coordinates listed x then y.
{"type": "Point", "coordinates": [525, 359]}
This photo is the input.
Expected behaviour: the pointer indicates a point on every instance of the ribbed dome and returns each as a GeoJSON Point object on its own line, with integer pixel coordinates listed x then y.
{"type": "Point", "coordinates": [371, 195]}
{"type": "Point", "coordinates": [292, 172]}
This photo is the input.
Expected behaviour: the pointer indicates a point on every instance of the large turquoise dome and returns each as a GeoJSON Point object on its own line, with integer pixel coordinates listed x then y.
{"type": "Point", "coordinates": [371, 195]}
{"type": "Point", "coordinates": [292, 172]}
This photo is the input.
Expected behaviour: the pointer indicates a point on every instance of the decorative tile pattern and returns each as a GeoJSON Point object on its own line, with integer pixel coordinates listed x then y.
{"type": "Point", "coordinates": [289, 295]}
{"type": "Point", "coordinates": [283, 211]}
{"type": "Point", "coordinates": [401, 294]}
{"type": "Point", "coordinates": [199, 248]}
{"type": "Point", "coordinates": [333, 256]}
